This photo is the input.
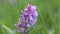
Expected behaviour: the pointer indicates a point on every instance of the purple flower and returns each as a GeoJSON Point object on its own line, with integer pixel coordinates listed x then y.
{"type": "Point", "coordinates": [28, 17]}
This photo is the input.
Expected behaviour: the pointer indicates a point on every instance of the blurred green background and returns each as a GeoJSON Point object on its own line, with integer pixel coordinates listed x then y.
{"type": "Point", "coordinates": [48, 19]}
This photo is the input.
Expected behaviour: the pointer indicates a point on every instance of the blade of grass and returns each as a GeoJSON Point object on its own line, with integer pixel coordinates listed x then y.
{"type": "Point", "coordinates": [8, 29]}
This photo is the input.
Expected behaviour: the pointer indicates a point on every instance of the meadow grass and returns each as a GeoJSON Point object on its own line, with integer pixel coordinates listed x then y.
{"type": "Point", "coordinates": [48, 16]}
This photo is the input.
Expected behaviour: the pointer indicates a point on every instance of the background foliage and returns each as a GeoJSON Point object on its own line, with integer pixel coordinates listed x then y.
{"type": "Point", "coordinates": [48, 18]}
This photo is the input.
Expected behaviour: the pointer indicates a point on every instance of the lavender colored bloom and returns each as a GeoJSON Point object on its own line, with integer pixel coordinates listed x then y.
{"type": "Point", "coordinates": [28, 17]}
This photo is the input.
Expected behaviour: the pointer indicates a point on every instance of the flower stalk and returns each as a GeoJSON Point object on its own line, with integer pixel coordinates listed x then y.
{"type": "Point", "coordinates": [28, 19]}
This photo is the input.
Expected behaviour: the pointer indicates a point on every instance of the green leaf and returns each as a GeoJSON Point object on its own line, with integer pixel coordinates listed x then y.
{"type": "Point", "coordinates": [7, 29]}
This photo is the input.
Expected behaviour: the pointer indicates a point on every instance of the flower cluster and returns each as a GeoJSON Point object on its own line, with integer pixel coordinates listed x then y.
{"type": "Point", "coordinates": [28, 18]}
